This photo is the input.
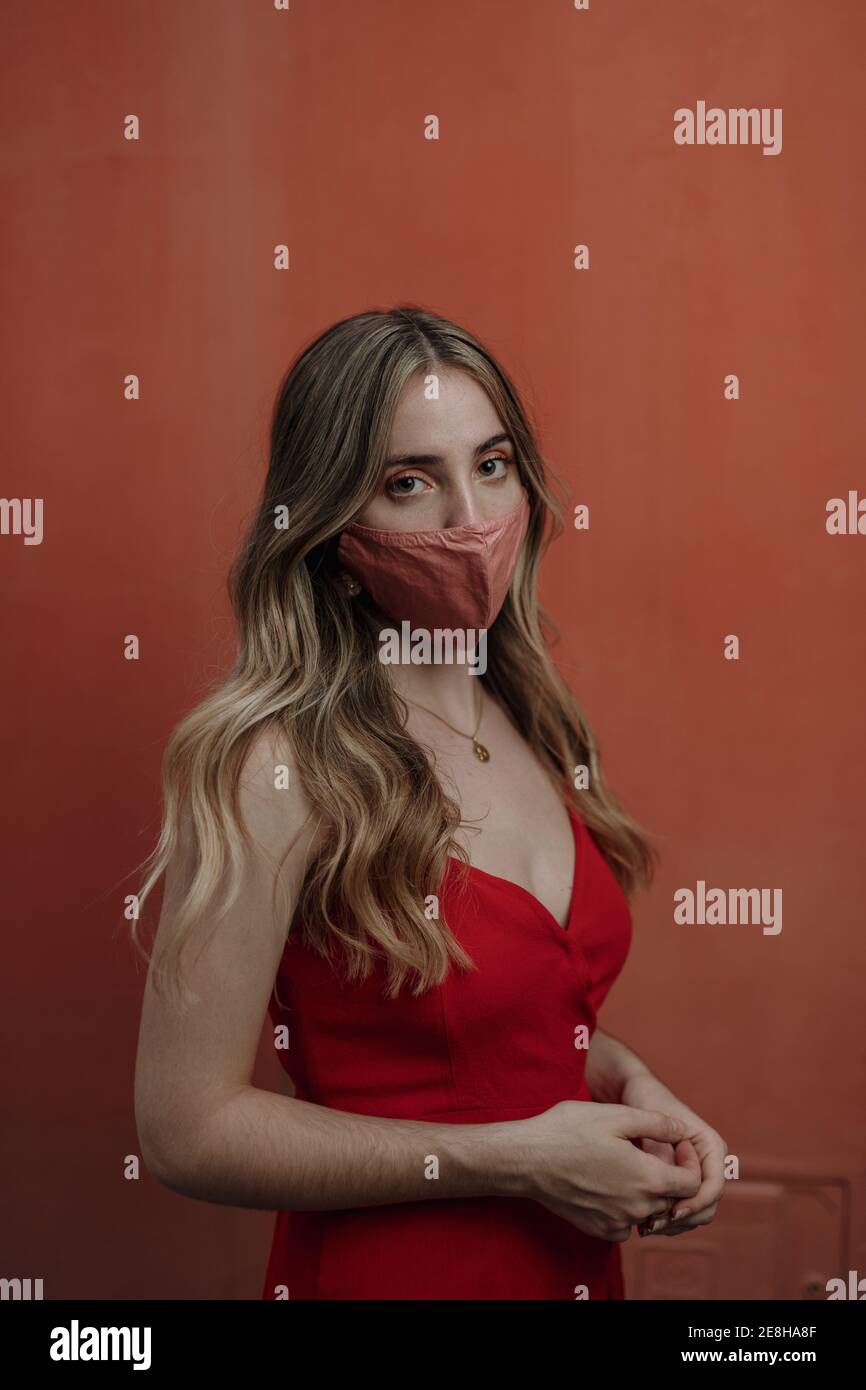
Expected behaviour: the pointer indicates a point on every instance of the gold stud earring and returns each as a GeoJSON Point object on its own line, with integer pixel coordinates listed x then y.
{"type": "Point", "coordinates": [349, 583]}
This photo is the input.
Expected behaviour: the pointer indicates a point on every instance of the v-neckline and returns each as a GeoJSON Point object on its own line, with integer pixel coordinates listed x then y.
{"type": "Point", "coordinates": [561, 931]}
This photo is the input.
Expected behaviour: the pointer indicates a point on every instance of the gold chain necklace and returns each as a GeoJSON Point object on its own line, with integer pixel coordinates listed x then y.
{"type": "Point", "coordinates": [481, 753]}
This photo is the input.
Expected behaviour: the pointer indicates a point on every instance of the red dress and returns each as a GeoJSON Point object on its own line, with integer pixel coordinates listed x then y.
{"type": "Point", "coordinates": [494, 1044]}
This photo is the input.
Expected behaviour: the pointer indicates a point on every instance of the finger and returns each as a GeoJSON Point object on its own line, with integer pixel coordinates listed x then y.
{"type": "Point", "coordinates": [651, 1227]}
{"type": "Point", "coordinates": [686, 1156]}
{"type": "Point", "coordinates": [689, 1223]}
{"type": "Point", "coordinates": [665, 1152]}
{"type": "Point", "coordinates": [652, 1124]}
{"type": "Point", "coordinates": [692, 1223]}
{"type": "Point", "coordinates": [658, 1214]}
{"type": "Point", "coordinates": [709, 1151]}
{"type": "Point", "coordinates": [671, 1183]}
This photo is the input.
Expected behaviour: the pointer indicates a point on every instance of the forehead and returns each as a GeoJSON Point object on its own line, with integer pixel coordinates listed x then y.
{"type": "Point", "coordinates": [462, 415]}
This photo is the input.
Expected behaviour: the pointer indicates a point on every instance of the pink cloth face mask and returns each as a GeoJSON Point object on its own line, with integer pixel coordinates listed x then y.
{"type": "Point", "coordinates": [455, 578]}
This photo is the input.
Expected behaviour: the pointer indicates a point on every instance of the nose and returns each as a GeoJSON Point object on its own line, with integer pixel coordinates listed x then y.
{"type": "Point", "coordinates": [462, 507]}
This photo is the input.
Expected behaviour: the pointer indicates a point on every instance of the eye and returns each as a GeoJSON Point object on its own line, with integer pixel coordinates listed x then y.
{"type": "Point", "coordinates": [495, 467]}
{"type": "Point", "coordinates": [395, 488]}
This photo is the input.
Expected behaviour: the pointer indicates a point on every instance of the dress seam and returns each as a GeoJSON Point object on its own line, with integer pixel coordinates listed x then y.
{"type": "Point", "coordinates": [447, 1036]}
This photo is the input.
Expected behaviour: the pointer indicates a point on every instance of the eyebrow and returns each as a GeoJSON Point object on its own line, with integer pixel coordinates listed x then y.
{"type": "Point", "coordinates": [427, 459]}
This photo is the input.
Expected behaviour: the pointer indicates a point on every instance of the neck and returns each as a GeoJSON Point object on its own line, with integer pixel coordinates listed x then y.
{"type": "Point", "coordinates": [450, 689]}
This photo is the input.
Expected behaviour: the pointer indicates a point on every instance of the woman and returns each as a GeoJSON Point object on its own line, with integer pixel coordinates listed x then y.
{"type": "Point", "coordinates": [388, 828]}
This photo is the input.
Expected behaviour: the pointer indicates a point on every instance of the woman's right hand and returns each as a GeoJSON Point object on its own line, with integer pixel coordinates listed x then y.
{"type": "Point", "coordinates": [581, 1160]}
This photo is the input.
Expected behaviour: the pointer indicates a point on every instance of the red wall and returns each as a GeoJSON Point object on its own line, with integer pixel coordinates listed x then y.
{"type": "Point", "coordinates": [155, 257]}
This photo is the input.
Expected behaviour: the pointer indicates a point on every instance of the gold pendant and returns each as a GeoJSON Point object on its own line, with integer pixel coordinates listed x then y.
{"type": "Point", "coordinates": [480, 751]}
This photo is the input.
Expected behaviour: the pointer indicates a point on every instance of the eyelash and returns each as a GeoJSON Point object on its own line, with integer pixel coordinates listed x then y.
{"type": "Point", "coordinates": [403, 477]}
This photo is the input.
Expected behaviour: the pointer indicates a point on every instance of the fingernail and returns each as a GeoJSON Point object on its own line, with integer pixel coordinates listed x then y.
{"type": "Point", "coordinates": [680, 1214]}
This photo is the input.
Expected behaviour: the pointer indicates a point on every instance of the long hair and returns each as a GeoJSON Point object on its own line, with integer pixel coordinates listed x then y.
{"type": "Point", "coordinates": [308, 669]}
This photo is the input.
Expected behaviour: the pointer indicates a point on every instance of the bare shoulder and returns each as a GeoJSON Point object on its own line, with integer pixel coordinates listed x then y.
{"type": "Point", "coordinates": [273, 803]}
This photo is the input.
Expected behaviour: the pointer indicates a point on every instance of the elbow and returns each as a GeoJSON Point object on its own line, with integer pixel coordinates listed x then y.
{"type": "Point", "coordinates": [159, 1159]}
{"type": "Point", "coordinates": [183, 1143]}
{"type": "Point", "coordinates": [165, 1154]}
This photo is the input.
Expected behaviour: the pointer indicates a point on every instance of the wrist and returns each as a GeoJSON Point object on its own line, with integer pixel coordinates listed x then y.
{"type": "Point", "coordinates": [493, 1159]}
{"type": "Point", "coordinates": [638, 1074]}
{"type": "Point", "coordinates": [610, 1067]}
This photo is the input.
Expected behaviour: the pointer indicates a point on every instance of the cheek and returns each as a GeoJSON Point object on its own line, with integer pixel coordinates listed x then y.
{"type": "Point", "coordinates": [384, 513]}
{"type": "Point", "coordinates": [371, 515]}
{"type": "Point", "coordinates": [512, 491]}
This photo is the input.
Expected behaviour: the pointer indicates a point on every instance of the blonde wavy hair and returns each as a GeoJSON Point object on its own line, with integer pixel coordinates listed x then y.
{"type": "Point", "coordinates": [308, 668]}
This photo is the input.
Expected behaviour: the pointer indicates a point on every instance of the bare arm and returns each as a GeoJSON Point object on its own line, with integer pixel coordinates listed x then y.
{"type": "Point", "coordinates": [609, 1064]}
{"type": "Point", "coordinates": [207, 1132]}
{"type": "Point", "coordinates": [259, 1149]}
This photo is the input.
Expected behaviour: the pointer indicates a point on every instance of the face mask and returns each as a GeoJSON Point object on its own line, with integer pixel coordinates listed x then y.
{"type": "Point", "coordinates": [455, 578]}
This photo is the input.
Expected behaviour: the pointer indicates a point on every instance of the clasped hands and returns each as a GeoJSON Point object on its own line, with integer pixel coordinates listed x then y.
{"type": "Point", "coordinates": [703, 1153]}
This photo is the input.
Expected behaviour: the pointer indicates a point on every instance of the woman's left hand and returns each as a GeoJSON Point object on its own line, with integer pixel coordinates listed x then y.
{"type": "Point", "coordinates": [704, 1150]}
